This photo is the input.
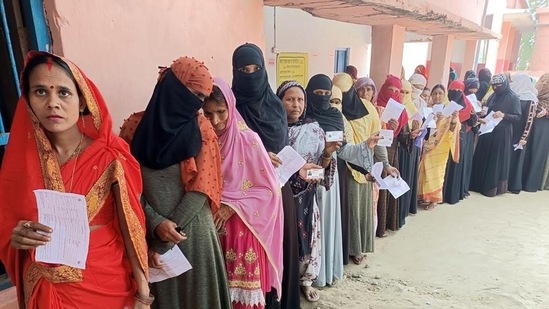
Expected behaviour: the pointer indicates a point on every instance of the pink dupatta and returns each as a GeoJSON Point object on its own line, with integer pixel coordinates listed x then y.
{"type": "Point", "coordinates": [250, 185]}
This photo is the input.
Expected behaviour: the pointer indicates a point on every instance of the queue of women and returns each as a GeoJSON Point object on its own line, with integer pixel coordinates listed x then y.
{"type": "Point", "coordinates": [196, 170]}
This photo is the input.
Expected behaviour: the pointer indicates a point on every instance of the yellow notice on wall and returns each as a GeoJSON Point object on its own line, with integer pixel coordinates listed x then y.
{"type": "Point", "coordinates": [292, 66]}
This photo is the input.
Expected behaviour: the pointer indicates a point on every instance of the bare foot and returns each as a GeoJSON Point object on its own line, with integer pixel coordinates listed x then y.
{"type": "Point", "coordinates": [311, 294]}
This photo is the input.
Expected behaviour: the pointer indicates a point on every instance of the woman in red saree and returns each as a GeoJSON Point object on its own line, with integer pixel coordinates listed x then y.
{"type": "Point", "coordinates": [62, 140]}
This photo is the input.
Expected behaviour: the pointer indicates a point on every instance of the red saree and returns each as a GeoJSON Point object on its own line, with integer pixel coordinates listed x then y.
{"type": "Point", "coordinates": [29, 164]}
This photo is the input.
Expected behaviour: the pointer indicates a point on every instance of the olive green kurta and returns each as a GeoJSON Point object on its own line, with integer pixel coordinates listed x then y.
{"type": "Point", "coordinates": [205, 285]}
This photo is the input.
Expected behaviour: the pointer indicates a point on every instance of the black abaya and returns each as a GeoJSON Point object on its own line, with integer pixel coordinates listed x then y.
{"type": "Point", "coordinates": [520, 131]}
{"type": "Point", "coordinates": [535, 155]}
{"type": "Point", "coordinates": [492, 158]}
{"type": "Point", "coordinates": [290, 277]}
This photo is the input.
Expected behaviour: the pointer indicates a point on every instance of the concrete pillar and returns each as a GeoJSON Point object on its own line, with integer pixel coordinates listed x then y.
{"type": "Point", "coordinates": [387, 50]}
{"type": "Point", "coordinates": [469, 57]}
{"type": "Point", "coordinates": [504, 44]}
{"type": "Point", "coordinates": [441, 56]}
{"type": "Point", "coordinates": [515, 51]}
{"type": "Point", "coordinates": [540, 58]}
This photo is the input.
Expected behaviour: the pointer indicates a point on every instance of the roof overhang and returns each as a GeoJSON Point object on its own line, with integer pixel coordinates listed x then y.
{"type": "Point", "coordinates": [418, 18]}
{"type": "Point", "coordinates": [520, 19]}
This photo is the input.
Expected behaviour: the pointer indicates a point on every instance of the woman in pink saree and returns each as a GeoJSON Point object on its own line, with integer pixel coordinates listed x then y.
{"type": "Point", "coordinates": [250, 220]}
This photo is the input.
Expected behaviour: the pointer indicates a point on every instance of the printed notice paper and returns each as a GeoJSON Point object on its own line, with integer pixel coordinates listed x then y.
{"type": "Point", "coordinates": [67, 215]}
{"type": "Point", "coordinates": [385, 138]}
{"type": "Point", "coordinates": [174, 264]}
{"type": "Point", "coordinates": [291, 163]}
{"type": "Point", "coordinates": [392, 111]}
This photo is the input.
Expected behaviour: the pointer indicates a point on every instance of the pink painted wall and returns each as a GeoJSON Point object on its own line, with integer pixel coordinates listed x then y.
{"type": "Point", "coordinates": [540, 61]}
{"type": "Point", "coordinates": [119, 44]}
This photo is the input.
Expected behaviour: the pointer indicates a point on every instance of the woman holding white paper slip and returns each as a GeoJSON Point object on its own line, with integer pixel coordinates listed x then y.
{"type": "Point", "coordinates": [181, 171]}
{"type": "Point", "coordinates": [319, 90]}
{"type": "Point", "coordinates": [61, 140]}
{"type": "Point", "coordinates": [434, 158]}
{"type": "Point", "coordinates": [492, 157]}
{"type": "Point", "coordinates": [388, 207]}
{"type": "Point", "coordinates": [362, 122]}
{"type": "Point", "coordinates": [454, 189]}
{"type": "Point", "coordinates": [308, 139]}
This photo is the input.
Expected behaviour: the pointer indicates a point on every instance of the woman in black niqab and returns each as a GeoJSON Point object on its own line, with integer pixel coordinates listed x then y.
{"type": "Point", "coordinates": [262, 110]}
{"type": "Point", "coordinates": [492, 159]}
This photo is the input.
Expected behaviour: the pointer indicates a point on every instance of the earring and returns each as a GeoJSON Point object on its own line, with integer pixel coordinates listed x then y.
{"type": "Point", "coordinates": [82, 116]}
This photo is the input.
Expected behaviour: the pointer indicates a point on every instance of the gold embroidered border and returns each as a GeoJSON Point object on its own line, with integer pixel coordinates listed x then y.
{"type": "Point", "coordinates": [91, 103]}
{"type": "Point", "coordinates": [137, 232]}
{"type": "Point", "coordinates": [100, 191]}
{"type": "Point", "coordinates": [245, 284]}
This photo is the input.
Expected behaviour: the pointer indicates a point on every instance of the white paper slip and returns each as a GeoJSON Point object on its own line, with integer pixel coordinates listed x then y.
{"type": "Point", "coordinates": [427, 111]}
{"type": "Point", "coordinates": [490, 124]}
{"type": "Point", "coordinates": [450, 108]}
{"type": "Point", "coordinates": [175, 263]}
{"type": "Point", "coordinates": [418, 116]}
{"type": "Point", "coordinates": [377, 170]}
{"type": "Point", "coordinates": [67, 215]}
{"type": "Point", "coordinates": [437, 108]}
{"type": "Point", "coordinates": [429, 122]}
{"type": "Point", "coordinates": [393, 110]}
{"type": "Point", "coordinates": [334, 136]}
{"type": "Point", "coordinates": [396, 186]}
{"type": "Point", "coordinates": [385, 138]}
{"type": "Point", "coordinates": [473, 99]}
{"type": "Point", "coordinates": [291, 163]}
{"type": "Point", "coordinates": [315, 173]}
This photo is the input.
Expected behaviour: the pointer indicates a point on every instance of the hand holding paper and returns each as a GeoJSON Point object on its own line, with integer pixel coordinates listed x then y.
{"type": "Point", "coordinates": [385, 138]}
{"type": "Point", "coordinates": [67, 215]}
{"type": "Point", "coordinates": [393, 110]}
{"type": "Point", "coordinates": [291, 163]}
{"type": "Point", "coordinates": [174, 263]}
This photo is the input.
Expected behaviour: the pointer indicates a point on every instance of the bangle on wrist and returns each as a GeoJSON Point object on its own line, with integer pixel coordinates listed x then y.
{"type": "Point", "coordinates": [145, 300]}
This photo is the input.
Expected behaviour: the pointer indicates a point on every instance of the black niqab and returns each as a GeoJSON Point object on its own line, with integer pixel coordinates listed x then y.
{"type": "Point", "coordinates": [168, 132]}
{"type": "Point", "coordinates": [352, 106]}
{"type": "Point", "coordinates": [259, 106]}
{"type": "Point", "coordinates": [318, 106]}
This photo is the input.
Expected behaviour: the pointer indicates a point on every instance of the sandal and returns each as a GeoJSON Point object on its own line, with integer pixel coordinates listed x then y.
{"type": "Point", "coordinates": [310, 293]}
{"type": "Point", "coordinates": [431, 206]}
{"type": "Point", "coordinates": [357, 259]}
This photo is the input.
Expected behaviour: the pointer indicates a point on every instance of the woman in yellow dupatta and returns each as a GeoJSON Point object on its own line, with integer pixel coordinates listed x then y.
{"type": "Point", "coordinates": [432, 167]}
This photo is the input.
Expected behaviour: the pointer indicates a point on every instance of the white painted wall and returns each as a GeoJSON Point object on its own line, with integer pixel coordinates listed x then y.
{"type": "Point", "coordinates": [415, 53]}
{"type": "Point", "coordinates": [497, 8]}
{"type": "Point", "coordinates": [298, 31]}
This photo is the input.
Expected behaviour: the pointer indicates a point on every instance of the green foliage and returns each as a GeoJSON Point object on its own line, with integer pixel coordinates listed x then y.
{"type": "Point", "coordinates": [528, 39]}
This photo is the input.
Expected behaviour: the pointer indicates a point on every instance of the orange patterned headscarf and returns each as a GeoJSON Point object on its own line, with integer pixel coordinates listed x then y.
{"type": "Point", "coordinates": [193, 74]}
{"type": "Point", "coordinates": [202, 172]}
